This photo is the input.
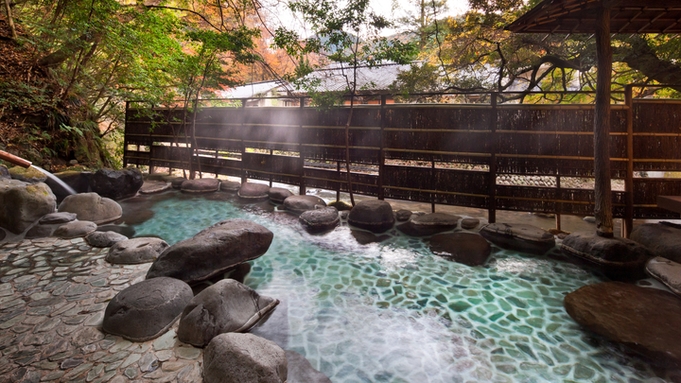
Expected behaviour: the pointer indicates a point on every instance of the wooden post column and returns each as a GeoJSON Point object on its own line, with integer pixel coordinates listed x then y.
{"type": "Point", "coordinates": [602, 189]}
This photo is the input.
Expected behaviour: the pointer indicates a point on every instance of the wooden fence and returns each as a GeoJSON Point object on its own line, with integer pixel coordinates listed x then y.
{"type": "Point", "coordinates": [534, 158]}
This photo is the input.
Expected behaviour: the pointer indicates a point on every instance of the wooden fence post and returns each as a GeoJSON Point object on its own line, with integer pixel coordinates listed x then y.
{"type": "Point", "coordinates": [492, 207]}
{"type": "Point", "coordinates": [125, 136]}
{"type": "Point", "coordinates": [244, 175]}
{"type": "Point", "coordinates": [381, 153]}
{"type": "Point", "coordinates": [629, 181]}
{"type": "Point", "coordinates": [301, 188]}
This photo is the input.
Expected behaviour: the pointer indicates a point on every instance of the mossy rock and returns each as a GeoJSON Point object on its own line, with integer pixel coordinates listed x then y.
{"type": "Point", "coordinates": [29, 174]}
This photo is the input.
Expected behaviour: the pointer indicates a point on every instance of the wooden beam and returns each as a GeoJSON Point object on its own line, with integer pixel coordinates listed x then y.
{"type": "Point", "coordinates": [602, 188]}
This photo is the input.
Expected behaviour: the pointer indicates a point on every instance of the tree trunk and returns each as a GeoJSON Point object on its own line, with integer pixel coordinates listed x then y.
{"type": "Point", "coordinates": [10, 20]}
{"type": "Point", "coordinates": [602, 189]}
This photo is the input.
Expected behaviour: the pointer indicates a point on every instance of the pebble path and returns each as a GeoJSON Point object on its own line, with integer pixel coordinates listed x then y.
{"type": "Point", "coordinates": [53, 293]}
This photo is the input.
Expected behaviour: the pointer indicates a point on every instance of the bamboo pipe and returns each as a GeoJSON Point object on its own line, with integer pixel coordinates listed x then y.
{"type": "Point", "coordinates": [11, 158]}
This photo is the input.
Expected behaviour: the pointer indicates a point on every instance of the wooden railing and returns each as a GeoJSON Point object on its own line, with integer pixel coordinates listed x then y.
{"type": "Point", "coordinates": [535, 158]}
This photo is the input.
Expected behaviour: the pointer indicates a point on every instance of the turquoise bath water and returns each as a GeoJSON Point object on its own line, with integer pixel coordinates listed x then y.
{"type": "Point", "coordinates": [395, 312]}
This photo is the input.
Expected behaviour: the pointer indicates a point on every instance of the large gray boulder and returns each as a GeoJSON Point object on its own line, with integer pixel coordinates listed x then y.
{"type": "Point", "coordinates": [519, 236]}
{"type": "Point", "coordinates": [116, 184]}
{"type": "Point", "coordinates": [662, 239]}
{"type": "Point", "coordinates": [136, 250]}
{"type": "Point", "coordinates": [373, 215]}
{"type": "Point", "coordinates": [241, 358]}
{"type": "Point", "coordinates": [213, 251]}
{"type": "Point", "coordinates": [92, 207]}
{"type": "Point", "coordinates": [468, 248]}
{"type": "Point", "coordinates": [278, 195]}
{"type": "Point", "coordinates": [147, 309]}
{"type": "Point", "coordinates": [646, 320]}
{"type": "Point", "coordinates": [320, 220]}
{"type": "Point", "coordinates": [21, 204]}
{"type": "Point", "coordinates": [226, 306]}
{"type": "Point", "coordinates": [429, 224]}
{"type": "Point", "coordinates": [297, 204]}
{"type": "Point", "coordinates": [618, 258]}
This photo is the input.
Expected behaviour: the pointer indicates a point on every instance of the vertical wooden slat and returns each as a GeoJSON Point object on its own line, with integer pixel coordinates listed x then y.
{"type": "Point", "coordinates": [244, 176]}
{"type": "Point", "coordinates": [301, 164]}
{"type": "Point", "coordinates": [125, 136]}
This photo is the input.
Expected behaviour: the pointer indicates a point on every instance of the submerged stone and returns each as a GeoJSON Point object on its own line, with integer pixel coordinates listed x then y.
{"type": "Point", "coordinates": [212, 251]}
{"type": "Point", "coordinates": [147, 309]}
{"type": "Point", "coordinates": [468, 248]}
{"type": "Point", "coordinates": [226, 306]}
{"type": "Point", "coordinates": [646, 320]}
{"type": "Point", "coordinates": [301, 371]}
{"type": "Point", "coordinates": [520, 237]}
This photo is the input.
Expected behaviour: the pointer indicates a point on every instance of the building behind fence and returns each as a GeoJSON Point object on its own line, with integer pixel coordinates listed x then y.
{"type": "Point", "coordinates": [462, 154]}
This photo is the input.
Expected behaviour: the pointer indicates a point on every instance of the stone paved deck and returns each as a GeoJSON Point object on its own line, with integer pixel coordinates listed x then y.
{"type": "Point", "coordinates": [53, 293]}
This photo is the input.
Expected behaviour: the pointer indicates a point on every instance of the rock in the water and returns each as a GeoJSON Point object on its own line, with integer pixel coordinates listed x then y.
{"type": "Point", "coordinates": [21, 204]}
{"type": "Point", "coordinates": [227, 306]}
{"type": "Point", "coordinates": [127, 231]}
{"type": "Point", "coordinates": [320, 220]}
{"type": "Point", "coordinates": [30, 174]}
{"type": "Point", "coordinates": [297, 204]}
{"type": "Point", "coordinates": [301, 371]}
{"type": "Point", "coordinates": [136, 250]}
{"type": "Point", "coordinates": [341, 205]}
{"type": "Point", "coordinates": [666, 271]}
{"type": "Point", "coordinates": [116, 184]}
{"type": "Point", "coordinates": [4, 172]}
{"type": "Point", "coordinates": [177, 182]}
{"type": "Point", "coordinates": [104, 238]}
{"type": "Point", "coordinates": [373, 215]}
{"type": "Point", "coordinates": [92, 207]}
{"type": "Point", "coordinates": [152, 186]}
{"type": "Point", "coordinates": [75, 229]}
{"type": "Point", "coordinates": [230, 186]}
{"type": "Point", "coordinates": [364, 237]}
{"type": "Point", "coordinates": [647, 320]}
{"type": "Point", "coordinates": [429, 224]}
{"type": "Point", "coordinates": [662, 239]}
{"type": "Point", "coordinates": [250, 190]}
{"type": "Point", "coordinates": [518, 236]}
{"type": "Point", "coordinates": [468, 248]}
{"type": "Point", "coordinates": [203, 185]}
{"type": "Point", "coordinates": [213, 251]}
{"type": "Point", "coordinates": [618, 258]}
{"type": "Point", "coordinates": [60, 217]}
{"type": "Point", "coordinates": [147, 309]}
{"type": "Point", "coordinates": [278, 195]}
{"type": "Point", "coordinates": [403, 215]}
{"type": "Point", "coordinates": [469, 223]}
{"type": "Point", "coordinates": [41, 231]}
{"type": "Point", "coordinates": [241, 358]}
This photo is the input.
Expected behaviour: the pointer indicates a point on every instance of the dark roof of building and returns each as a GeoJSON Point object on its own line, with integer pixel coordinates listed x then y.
{"type": "Point", "coordinates": [579, 16]}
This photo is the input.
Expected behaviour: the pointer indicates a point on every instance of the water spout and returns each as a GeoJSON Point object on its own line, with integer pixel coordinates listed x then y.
{"type": "Point", "coordinates": [11, 158]}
